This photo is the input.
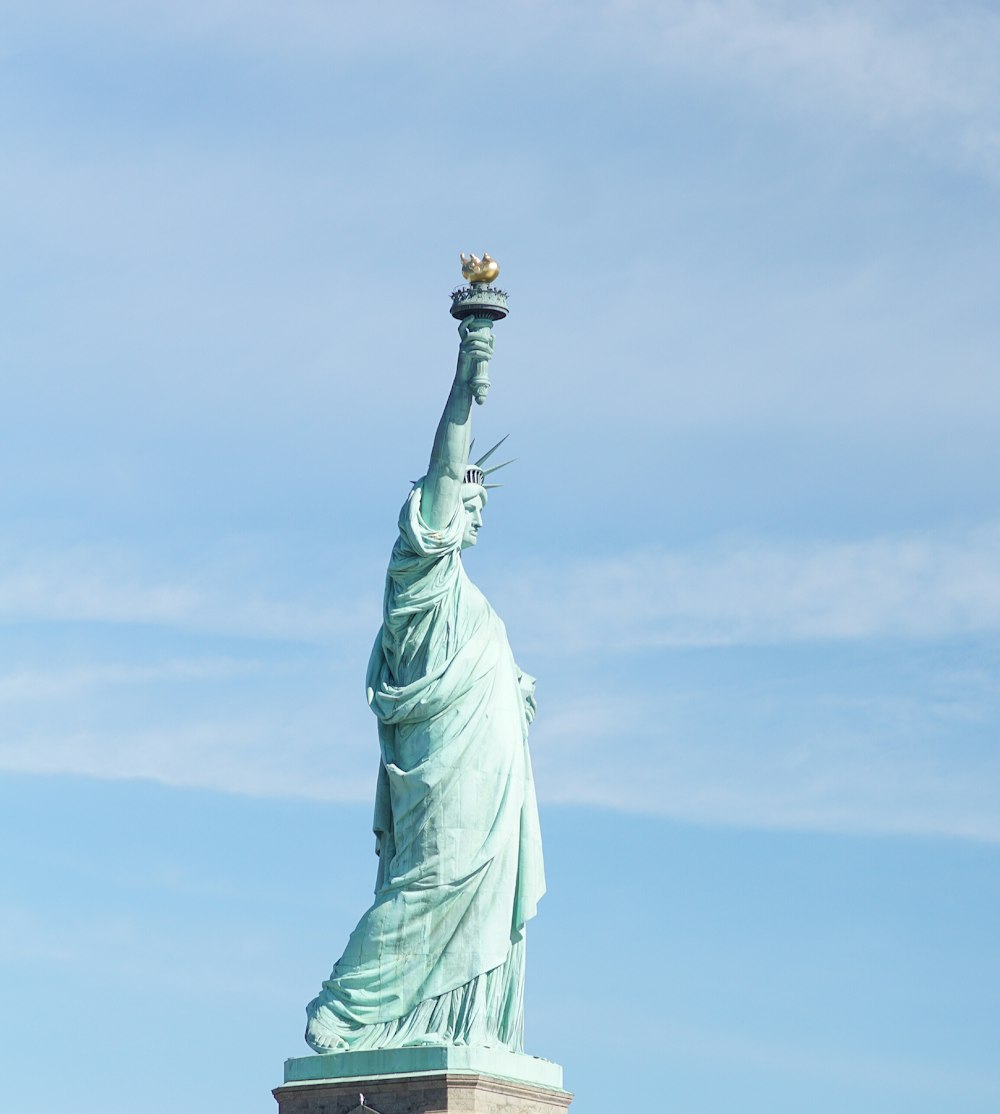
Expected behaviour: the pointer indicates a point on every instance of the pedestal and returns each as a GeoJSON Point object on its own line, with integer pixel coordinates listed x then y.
{"type": "Point", "coordinates": [433, 1080]}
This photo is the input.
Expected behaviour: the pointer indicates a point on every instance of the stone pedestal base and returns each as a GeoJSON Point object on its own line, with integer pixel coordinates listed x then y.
{"type": "Point", "coordinates": [422, 1081]}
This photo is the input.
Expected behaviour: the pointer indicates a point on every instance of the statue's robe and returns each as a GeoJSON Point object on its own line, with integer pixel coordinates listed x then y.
{"type": "Point", "coordinates": [439, 957]}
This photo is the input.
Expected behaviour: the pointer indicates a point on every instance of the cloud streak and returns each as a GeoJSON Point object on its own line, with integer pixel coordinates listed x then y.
{"type": "Point", "coordinates": [713, 752]}
{"type": "Point", "coordinates": [740, 592]}
{"type": "Point", "coordinates": [255, 756]}
{"type": "Point", "coordinates": [893, 63]}
{"type": "Point", "coordinates": [847, 781]}
{"type": "Point", "coordinates": [759, 592]}
{"type": "Point", "coordinates": [925, 72]}
{"type": "Point", "coordinates": [28, 685]}
{"type": "Point", "coordinates": [91, 585]}
{"type": "Point", "coordinates": [899, 766]}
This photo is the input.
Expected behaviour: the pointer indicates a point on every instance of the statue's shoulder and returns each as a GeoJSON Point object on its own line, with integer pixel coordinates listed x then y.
{"type": "Point", "coordinates": [418, 541]}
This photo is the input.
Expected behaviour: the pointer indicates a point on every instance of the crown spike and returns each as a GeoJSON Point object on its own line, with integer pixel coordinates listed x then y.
{"type": "Point", "coordinates": [497, 467]}
{"type": "Point", "coordinates": [486, 456]}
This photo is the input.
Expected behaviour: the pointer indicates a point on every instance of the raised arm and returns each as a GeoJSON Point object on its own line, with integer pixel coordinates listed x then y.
{"type": "Point", "coordinates": [450, 453]}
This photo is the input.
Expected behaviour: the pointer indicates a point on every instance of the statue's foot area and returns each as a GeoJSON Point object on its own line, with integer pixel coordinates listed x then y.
{"type": "Point", "coordinates": [321, 1031]}
{"type": "Point", "coordinates": [486, 1012]}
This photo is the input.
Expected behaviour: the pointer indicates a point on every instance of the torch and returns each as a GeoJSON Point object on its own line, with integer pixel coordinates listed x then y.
{"type": "Point", "coordinates": [480, 303]}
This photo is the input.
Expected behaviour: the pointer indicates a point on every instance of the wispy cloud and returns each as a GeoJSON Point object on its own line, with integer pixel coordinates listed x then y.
{"type": "Point", "coordinates": [738, 591]}
{"type": "Point", "coordinates": [293, 757]}
{"type": "Point", "coordinates": [884, 765]}
{"type": "Point", "coordinates": [894, 64]}
{"type": "Point", "coordinates": [924, 71]}
{"type": "Point", "coordinates": [880, 765]}
{"type": "Point", "coordinates": [129, 947]}
{"type": "Point", "coordinates": [93, 585]}
{"type": "Point", "coordinates": [27, 937]}
{"type": "Point", "coordinates": [790, 1059]}
{"type": "Point", "coordinates": [59, 684]}
{"type": "Point", "coordinates": [910, 759]}
{"type": "Point", "coordinates": [762, 592]}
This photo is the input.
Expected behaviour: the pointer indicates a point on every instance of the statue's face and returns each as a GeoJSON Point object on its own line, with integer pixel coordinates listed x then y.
{"type": "Point", "coordinates": [473, 520]}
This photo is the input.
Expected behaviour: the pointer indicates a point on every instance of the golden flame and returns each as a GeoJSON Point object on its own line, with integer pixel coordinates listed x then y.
{"type": "Point", "coordinates": [475, 269]}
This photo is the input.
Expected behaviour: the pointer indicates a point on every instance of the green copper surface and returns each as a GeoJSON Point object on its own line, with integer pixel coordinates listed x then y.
{"type": "Point", "coordinates": [438, 959]}
{"type": "Point", "coordinates": [415, 1061]}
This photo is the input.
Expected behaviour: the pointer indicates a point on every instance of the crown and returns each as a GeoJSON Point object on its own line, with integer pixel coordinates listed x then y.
{"type": "Point", "coordinates": [476, 473]}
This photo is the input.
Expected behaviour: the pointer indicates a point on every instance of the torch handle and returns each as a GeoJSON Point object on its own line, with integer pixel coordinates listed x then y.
{"type": "Point", "coordinates": [480, 381]}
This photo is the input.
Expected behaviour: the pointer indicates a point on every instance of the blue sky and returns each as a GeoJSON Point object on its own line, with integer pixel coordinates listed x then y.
{"type": "Point", "coordinates": [751, 546]}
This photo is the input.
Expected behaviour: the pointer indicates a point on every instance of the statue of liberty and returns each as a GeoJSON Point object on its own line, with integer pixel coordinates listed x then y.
{"type": "Point", "coordinates": [439, 956]}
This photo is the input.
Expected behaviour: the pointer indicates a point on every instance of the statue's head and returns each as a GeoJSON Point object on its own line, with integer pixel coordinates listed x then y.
{"type": "Point", "coordinates": [475, 492]}
{"type": "Point", "coordinates": [473, 503]}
